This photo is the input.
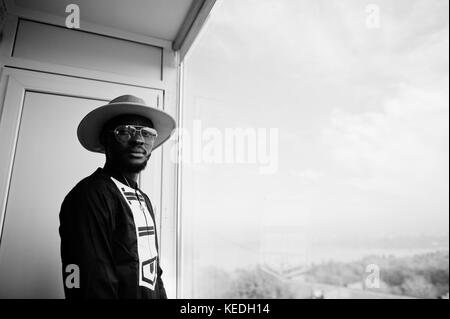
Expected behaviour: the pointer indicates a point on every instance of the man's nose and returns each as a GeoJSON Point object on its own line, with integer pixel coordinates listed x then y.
{"type": "Point", "coordinates": [137, 138]}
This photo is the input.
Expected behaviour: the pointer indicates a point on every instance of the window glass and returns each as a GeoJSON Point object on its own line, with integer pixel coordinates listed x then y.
{"type": "Point", "coordinates": [315, 151]}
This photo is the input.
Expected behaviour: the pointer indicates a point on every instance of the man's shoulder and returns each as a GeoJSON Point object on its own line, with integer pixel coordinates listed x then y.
{"type": "Point", "coordinates": [93, 185]}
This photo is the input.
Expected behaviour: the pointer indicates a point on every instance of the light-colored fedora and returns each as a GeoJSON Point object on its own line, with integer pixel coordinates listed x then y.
{"type": "Point", "coordinates": [90, 126]}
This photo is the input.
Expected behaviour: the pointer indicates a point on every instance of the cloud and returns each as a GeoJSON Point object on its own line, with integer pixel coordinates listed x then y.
{"type": "Point", "coordinates": [307, 174]}
{"type": "Point", "coordinates": [363, 114]}
{"type": "Point", "coordinates": [402, 147]}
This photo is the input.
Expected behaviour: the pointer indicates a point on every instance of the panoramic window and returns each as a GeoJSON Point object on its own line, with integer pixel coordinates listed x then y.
{"type": "Point", "coordinates": [315, 151]}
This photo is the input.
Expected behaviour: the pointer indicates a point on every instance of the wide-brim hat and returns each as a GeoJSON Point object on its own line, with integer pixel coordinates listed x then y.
{"type": "Point", "coordinates": [89, 129]}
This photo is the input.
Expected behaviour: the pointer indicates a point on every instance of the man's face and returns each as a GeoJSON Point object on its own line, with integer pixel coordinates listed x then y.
{"type": "Point", "coordinates": [127, 156]}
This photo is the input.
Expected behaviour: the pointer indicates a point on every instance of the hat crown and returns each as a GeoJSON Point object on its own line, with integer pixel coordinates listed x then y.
{"type": "Point", "coordinates": [128, 98]}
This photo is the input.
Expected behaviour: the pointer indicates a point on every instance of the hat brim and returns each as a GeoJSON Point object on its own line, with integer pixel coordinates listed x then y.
{"type": "Point", "coordinates": [88, 131]}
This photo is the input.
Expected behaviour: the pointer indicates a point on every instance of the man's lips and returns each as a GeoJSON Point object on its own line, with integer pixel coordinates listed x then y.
{"type": "Point", "coordinates": [137, 153]}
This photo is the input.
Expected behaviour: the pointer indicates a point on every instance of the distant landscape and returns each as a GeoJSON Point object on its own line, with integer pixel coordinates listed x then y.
{"type": "Point", "coordinates": [424, 275]}
{"type": "Point", "coordinates": [421, 276]}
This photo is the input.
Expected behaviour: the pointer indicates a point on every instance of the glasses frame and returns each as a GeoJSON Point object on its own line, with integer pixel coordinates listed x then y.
{"type": "Point", "coordinates": [138, 129]}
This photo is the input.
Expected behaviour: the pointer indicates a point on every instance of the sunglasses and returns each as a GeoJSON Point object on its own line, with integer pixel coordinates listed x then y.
{"type": "Point", "coordinates": [123, 133]}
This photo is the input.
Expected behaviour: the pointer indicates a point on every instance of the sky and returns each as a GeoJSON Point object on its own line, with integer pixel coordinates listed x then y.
{"type": "Point", "coordinates": [362, 118]}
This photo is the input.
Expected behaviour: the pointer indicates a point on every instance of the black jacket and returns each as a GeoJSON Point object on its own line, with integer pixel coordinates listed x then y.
{"type": "Point", "coordinates": [98, 234]}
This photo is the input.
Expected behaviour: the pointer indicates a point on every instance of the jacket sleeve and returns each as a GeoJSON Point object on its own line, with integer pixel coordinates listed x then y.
{"type": "Point", "coordinates": [86, 227]}
{"type": "Point", "coordinates": [162, 291]}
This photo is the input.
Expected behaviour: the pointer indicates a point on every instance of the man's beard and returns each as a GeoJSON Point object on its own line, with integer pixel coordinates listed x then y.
{"type": "Point", "coordinates": [125, 166]}
{"type": "Point", "coordinates": [133, 168]}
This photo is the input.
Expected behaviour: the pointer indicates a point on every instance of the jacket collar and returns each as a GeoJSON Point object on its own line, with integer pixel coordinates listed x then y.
{"type": "Point", "coordinates": [110, 172]}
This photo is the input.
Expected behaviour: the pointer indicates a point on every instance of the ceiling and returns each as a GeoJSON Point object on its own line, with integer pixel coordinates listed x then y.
{"type": "Point", "coordinates": [153, 18]}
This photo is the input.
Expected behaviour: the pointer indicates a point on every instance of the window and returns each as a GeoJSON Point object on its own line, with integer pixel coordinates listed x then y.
{"type": "Point", "coordinates": [315, 151]}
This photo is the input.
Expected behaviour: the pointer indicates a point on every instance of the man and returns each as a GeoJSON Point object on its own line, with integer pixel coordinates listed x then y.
{"type": "Point", "coordinates": [107, 225]}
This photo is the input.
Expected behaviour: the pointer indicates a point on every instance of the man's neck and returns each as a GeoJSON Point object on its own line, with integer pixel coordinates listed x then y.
{"type": "Point", "coordinates": [130, 178]}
